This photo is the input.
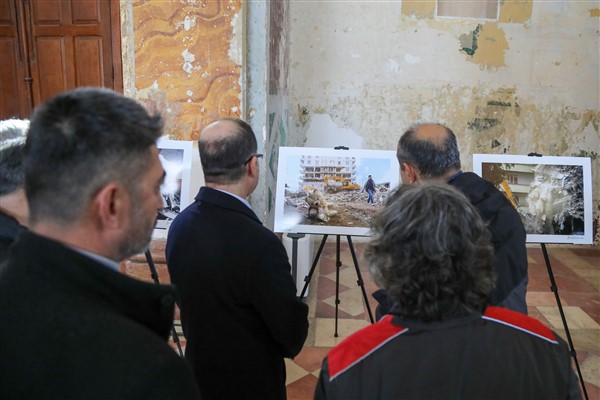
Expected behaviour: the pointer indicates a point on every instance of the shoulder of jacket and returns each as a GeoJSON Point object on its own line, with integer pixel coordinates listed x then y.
{"type": "Point", "coordinates": [360, 345]}
{"type": "Point", "coordinates": [521, 322]}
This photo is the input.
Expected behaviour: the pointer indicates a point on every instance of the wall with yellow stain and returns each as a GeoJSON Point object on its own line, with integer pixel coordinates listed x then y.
{"type": "Point", "coordinates": [184, 60]}
{"type": "Point", "coordinates": [526, 81]}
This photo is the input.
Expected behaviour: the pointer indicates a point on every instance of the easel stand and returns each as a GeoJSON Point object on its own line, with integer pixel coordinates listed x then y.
{"type": "Point", "coordinates": [154, 276]}
{"type": "Point", "coordinates": [554, 288]}
{"type": "Point", "coordinates": [338, 264]}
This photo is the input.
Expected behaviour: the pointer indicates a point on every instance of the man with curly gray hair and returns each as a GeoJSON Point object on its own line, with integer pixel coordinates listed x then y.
{"type": "Point", "coordinates": [431, 252]}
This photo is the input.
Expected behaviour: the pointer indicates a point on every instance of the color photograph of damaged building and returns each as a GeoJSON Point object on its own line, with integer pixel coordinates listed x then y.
{"type": "Point", "coordinates": [549, 198]}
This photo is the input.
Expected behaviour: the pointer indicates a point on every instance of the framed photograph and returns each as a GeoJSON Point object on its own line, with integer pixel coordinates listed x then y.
{"type": "Point", "coordinates": [328, 191]}
{"type": "Point", "coordinates": [176, 159]}
{"type": "Point", "coordinates": [553, 195]}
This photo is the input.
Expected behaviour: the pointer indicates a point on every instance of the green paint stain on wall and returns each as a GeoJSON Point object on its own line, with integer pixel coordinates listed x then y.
{"type": "Point", "coordinates": [271, 121]}
{"type": "Point", "coordinates": [282, 133]}
{"type": "Point", "coordinates": [468, 41]}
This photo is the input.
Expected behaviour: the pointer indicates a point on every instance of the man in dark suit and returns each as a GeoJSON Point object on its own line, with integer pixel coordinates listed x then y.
{"type": "Point", "coordinates": [239, 309]}
{"type": "Point", "coordinates": [71, 325]}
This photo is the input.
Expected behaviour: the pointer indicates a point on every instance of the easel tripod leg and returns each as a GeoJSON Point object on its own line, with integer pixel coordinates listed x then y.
{"type": "Point", "coordinates": [154, 276]}
{"type": "Point", "coordinates": [338, 264]}
{"type": "Point", "coordinates": [360, 281]}
{"type": "Point", "coordinates": [308, 277]}
{"type": "Point", "coordinates": [554, 289]}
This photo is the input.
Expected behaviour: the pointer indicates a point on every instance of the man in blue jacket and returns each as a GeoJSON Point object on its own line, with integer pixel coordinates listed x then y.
{"type": "Point", "coordinates": [239, 309]}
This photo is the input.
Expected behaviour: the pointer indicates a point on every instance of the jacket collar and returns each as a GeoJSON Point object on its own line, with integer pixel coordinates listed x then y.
{"type": "Point", "coordinates": [224, 200]}
{"type": "Point", "coordinates": [69, 271]}
{"type": "Point", "coordinates": [9, 227]}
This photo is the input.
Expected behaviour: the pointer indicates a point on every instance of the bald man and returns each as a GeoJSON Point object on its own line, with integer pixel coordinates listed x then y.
{"type": "Point", "coordinates": [429, 153]}
{"type": "Point", "coordinates": [239, 309]}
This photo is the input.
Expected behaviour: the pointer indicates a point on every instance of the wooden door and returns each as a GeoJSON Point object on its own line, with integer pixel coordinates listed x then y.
{"type": "Point", "coordinates": [56, 45]}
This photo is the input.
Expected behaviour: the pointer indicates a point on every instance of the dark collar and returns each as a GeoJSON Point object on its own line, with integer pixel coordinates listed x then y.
{"type": "Point", "coordinates": [9, 227]}
{"type": "Point", "coordinates": [224, 200]}
{"type": "Point", "coordinates": [72, 272]}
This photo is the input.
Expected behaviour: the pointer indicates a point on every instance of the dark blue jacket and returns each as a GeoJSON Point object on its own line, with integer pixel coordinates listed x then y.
{"type": "Point", "coordinates": [239, 310]}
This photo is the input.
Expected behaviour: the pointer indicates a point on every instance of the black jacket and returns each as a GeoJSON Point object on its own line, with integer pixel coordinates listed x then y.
{"type": "Point", "coordinates": [499, 355]}
{"type": "Point", "coordinates": [508, 238]}
{"type": "Point", "coordinates": [71, 328]}
{"type": "Point", "coordinates": [239, 309]}
{"type": "Point", "coordinates": [9, 230]}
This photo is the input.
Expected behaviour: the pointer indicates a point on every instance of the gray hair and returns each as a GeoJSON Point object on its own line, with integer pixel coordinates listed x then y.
{"type": "Point", "coordinates": [431, 251]}
{"type": "Point", "coordinates": [12, 143]}
{"type": "Point", "coordinates": [431, 159]}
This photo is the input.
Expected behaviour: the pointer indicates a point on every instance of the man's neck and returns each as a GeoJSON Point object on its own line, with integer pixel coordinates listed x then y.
{"type": "Point", "coordinates": [15, 205]}
{"type": "Point", "coordinates": [74, 236]}
{"type": "Point", "coordinates": [237, 188]}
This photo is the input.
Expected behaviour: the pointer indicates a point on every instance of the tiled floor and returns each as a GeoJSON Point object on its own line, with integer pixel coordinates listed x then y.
{"type": "Point", "coordinates": [577, 275]}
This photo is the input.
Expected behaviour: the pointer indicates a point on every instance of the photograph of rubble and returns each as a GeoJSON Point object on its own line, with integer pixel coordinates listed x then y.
{"type": "Point", "coordinates": [327, 191]}
{"type": "Point", "coordinates": [176, 159]}
{"type": "Point", "coordinates": [551, 194]}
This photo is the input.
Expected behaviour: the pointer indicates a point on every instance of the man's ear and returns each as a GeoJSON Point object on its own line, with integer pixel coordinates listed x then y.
{"type": "Point", "coordinates": [253, 167]}
{"type": "Point", "coordinates": [111, 203]}
{"type": "Point", "coordinates": [411, 173]}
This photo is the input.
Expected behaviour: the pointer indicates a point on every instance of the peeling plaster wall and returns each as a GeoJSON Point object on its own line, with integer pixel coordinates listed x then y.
{"type": "Point", "coordinates": [278, 99]}
{"type": "Point", "coordinates": [527, 82]}
{"type": "Point", "coordinates": [184, 59]}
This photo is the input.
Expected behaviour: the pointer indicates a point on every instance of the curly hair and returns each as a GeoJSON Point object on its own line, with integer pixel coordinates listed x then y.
{"type": "Point", "coordinates": [431, 251]}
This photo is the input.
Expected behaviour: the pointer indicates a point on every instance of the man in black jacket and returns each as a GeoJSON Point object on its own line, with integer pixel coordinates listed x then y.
{"type": "Point", "coordinates": [71, 325]}
{"type": "Point", "coordinates": [431, 251]}
{"type": "Point", "coordinates": [13, 203]}
{"type": "Point", "coordinates": [429, 153]}
{"type": "Point", "coordinates": [239, 309]}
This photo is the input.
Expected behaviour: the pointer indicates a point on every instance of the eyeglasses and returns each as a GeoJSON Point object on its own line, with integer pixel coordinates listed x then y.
{"type": "Point", "coordinates": [253, 155]}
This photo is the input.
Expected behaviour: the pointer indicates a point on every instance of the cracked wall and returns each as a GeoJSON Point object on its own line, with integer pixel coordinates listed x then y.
{"type": "Point", "coordinates": [525, 82]}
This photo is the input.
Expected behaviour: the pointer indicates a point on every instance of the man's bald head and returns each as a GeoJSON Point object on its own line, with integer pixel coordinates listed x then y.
{"type": "Point", "coordinates": [225, 146]}
{"type": "Point", "coordinates": [431, 149]}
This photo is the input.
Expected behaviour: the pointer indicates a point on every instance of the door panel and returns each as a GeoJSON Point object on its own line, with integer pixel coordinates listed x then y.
{"type": "Point", "coordinates": [65, 44]}
{"type": "Point", "coordinates": [13, 99]}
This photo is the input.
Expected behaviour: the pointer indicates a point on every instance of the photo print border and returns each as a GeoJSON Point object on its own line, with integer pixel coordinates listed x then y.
{"type": "Point", "coordinates": [552, 194]}
{"type": "Point", "coordinates": [340, 177]}
{"type": "Point", "coordinates": [176, 159]}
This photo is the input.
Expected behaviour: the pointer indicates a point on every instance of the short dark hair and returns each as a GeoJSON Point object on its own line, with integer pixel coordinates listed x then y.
{"type": "Point", "coordinates": [432, 160]}
{"type": "Point", "coordinates": [431, 251]}
{"type": "Point", "coordinates": [79, 141]}
{"type": "Point", "coordinates": [223, 159]}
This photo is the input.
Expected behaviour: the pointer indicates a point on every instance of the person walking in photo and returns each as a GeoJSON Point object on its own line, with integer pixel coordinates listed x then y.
{"type": "Point", "coordinates": [370, 189]}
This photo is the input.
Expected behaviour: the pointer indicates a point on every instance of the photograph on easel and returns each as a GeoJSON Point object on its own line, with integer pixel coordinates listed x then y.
{"type": "Point", "coordinates": [329, 191]}
{"type": "Point", "coordinates": [552, 194]}
{"type": "Point", "coordinates": [176, 159]}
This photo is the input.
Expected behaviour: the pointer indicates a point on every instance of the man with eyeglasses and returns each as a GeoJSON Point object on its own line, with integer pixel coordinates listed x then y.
{"type": "Point", "coordinates": [239, 309]}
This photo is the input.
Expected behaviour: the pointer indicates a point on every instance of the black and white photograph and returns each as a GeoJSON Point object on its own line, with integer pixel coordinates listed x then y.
{"type": "Point", "coordinates": [551, 194]}
{"type": "Point", "coordinates": [332, 191]}
{"type": "Point", "coordinates": [176, 158]}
